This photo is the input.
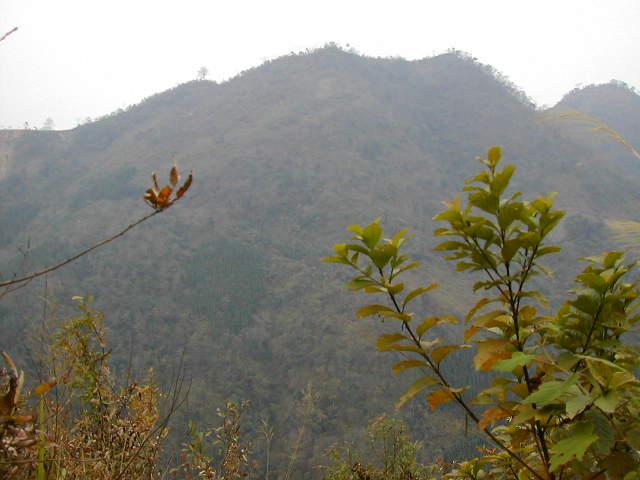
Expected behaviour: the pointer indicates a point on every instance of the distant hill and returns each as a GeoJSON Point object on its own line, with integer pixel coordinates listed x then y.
{"type": "Point", "coordinates": [615, 103]}
{"type": "Point", "coordinates": [286, 156]}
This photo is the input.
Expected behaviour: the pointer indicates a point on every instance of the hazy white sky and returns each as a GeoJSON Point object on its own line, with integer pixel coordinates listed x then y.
{"type": "Point", "coordinates": [72, 59]}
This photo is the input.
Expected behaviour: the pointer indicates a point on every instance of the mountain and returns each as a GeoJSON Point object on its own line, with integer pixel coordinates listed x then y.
{"type": "Point", "coordinates": [615, 103]}
{"type": "Point", "coordinates": [612, 106]}
{"type": "Point", "coordinates": [285, 156]}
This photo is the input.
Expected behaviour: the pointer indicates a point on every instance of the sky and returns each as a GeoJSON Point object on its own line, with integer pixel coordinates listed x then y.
{"type": "Point", "coordinates": [73, 59]}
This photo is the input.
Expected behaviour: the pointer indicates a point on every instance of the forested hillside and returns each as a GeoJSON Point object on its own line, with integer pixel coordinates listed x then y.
{"type": "Point", "coordinates": [284, 156]}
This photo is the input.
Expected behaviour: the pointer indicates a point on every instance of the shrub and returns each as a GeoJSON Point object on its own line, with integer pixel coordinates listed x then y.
{"type": "Point", "coordinates": [565, 399]}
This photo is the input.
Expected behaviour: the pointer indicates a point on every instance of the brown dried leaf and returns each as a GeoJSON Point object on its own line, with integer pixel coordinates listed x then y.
{"type": "Point", "coordinates": [185, 186]}
{"type": "Point", "coordinates": [154, 177]}
{"type": "Point", "coordinates": [151, 197]}
{"type": "Point", "coordinates": [21, 419]}
{"type": "Point", "coordinates": [174, 176]}
{"type": "Point", "coordinates": [492, 415]}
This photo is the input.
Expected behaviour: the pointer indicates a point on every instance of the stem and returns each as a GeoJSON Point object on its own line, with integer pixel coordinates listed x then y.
{"type": "Point", "coordinates": [101, 243]}
{"type": "Point", "coordinates": [456, 396]}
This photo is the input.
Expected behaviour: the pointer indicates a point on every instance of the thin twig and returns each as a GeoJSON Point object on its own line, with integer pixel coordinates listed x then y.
{"type": "Point", "coordinates": [52, 268]}
{"type": "Point", "coordinates": [14, 29]}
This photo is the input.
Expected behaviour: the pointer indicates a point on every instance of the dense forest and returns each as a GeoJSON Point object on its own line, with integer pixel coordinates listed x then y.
{"type": "Point", "coordinates": [228, 284]}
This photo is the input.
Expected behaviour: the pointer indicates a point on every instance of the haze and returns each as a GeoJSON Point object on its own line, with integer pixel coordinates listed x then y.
{"type": "Point", "coordinates": [76, 59]}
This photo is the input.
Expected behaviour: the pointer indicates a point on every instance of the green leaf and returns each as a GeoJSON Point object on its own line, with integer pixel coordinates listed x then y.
{"type": "Point", "coordinates": [577, 404]}
{"type": "Point", "coordinates": [451, 245]}
{"type": "Point", "coordinates": [410, 266]}
{"type": "Point", "coordinates": [417, 292]}
{"type": "Point", "coordinates": [336, 260]}
{"type": "Point", "coordinates": [360, 283]}
{"type": "Point", "coordinates": [407, 364]}
{"type": "Point", "coordinates": [358, 248]}
{"type": "Point", "coordinates": [494, 155]}
{"type": "Point", "coordinates": [510, 248]}
{"type": "Point", "coordinates": [371, 234]}
{"type": "Point", "coordinates": [387, 340]}
{"type": "Point", "coordinates": [619, 379]}
{"type": "Point", "coordinates": [518, 359]}
{"type": "Point", "coordinates": [340, 249]}
{"type": "Point", "coordinates": [547, 250]}
{"type": "Point", "coordinates": [574, 446]}
{"type": "Point", "coordinates": [399, 238]}
{"type": "Point", "coordinates": [550, 391]}
{"type": "Point", "coordinates": [448, 216]}
{"type": "Point", "coordinates": [588, 301]}
{"type": "Point", "coordinates": [612, 258]}
{"type": "Point", "coordinates": [501, 180]}
{"type": "Point", "coordinates": [395, 289]}
{"type": "Point", "coordinates": [592, 280]}
{"type": "Point", "coordinates": [417, 387]}
{"type": "Point", "coordinates": [485, 201]}
{"type": "Point", "coordinates": [357, 229]}
{"type": "Point", "coordinates": [603, 429]}
{"type": "Point", "coordinates": [382, 254]}
{"type": "Point", "coordinates": [609, 401]}
{"type": "Point", "coordinates": [372, 310]}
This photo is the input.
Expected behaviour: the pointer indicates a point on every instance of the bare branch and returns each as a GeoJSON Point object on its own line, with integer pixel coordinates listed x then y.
{"type": "Point", "coordinates": [14, 29]}
{"type": "Point", "coordinates": [84, 252]}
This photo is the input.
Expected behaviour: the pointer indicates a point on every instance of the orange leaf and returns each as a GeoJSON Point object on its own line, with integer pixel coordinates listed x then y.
{"type": "Point", "coordinates": [470, 332]}
{"type": "Point", "coordinates": [45, 387]}
{"type": "Point", "coordinates": [163, 196]}
{"type": "Point", "coordinates": [491, 351]}
{"type": "Point", "coordinates": [185, 186]}
{"type": "Point", "coordinates": [491, 416]}
{"type": "Point", "coordinates": [439, 397]}
{"type": "Point", "coordinates": [154, 177]}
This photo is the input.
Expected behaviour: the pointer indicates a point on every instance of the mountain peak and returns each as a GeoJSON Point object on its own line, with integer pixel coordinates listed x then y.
{"type": "Point", "coordinates": [616, 103]}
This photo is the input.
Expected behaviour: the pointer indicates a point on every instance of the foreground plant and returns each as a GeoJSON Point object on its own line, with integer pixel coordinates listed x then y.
{"type": "Point", "coordinates": [389, 454]}
{"type": "Point", "coordinates": [92, 425]}
{"type": "Point", "coordinates": [565, 401]}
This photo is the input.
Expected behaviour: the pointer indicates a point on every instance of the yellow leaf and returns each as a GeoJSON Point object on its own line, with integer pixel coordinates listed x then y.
{"type": "Point", "coordinates": [490, 351]}
{"type": "Point", "coordinates": [387, 340]}
{"type": "Point", "coordinates": [483, 301]}
{"type": "Point", "coordinates": [440, 353]}
{"type": "Point", "coordinates": [494, 155]}
{"type": "Point", "coordinates": [372, 310]}
{"type": "Point", "coordinates": [417, 386]}
{"type": "Point", "coordinates": [407, 364]}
